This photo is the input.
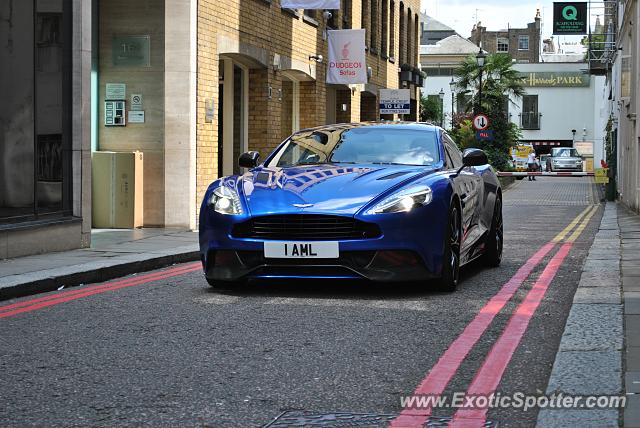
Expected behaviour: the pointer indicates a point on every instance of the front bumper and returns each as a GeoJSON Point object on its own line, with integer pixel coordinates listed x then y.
{"type": "Point", "coordinates": [410, 248]}
{"type": "Point", "coordinates": [387, 266]}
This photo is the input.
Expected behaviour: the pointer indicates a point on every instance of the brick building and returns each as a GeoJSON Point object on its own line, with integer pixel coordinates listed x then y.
{"type": "Point", "coordinates": [220, 77]}
{"type": "Point", "coordinates": [523, 44]}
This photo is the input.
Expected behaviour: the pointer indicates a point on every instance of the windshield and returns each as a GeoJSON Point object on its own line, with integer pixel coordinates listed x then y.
{"type": "Point", "coordinates": [359, 146]}
{"type": "Point", "coordinates": [566, 153]}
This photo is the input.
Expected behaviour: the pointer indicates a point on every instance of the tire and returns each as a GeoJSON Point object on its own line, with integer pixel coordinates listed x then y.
{"type": "Point", "coordinates": [451, 259]}
{"type": "Point", "coordinates": [224, 285]}
{"type": "Point", "coordinates": [495, 238]}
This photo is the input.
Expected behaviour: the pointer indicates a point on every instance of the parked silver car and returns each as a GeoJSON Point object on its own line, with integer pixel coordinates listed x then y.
{"type": "Point", "coordinates": [564, 159]}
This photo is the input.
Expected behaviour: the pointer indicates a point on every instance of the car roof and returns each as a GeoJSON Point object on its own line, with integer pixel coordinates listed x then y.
{"type": "Point", "coordinates": [381, 125]}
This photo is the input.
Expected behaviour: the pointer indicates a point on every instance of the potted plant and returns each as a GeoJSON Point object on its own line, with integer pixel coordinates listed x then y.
{"type": "Point", "coordinates": [406, 73]}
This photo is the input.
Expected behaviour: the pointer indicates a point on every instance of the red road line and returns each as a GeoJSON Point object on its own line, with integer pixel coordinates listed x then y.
{"type": "Point", "coordinates": [43, 302]}
{"type": "Point", "coordinates": [448, 364]}
{"type": "Point", "coordinates": [488, 377]}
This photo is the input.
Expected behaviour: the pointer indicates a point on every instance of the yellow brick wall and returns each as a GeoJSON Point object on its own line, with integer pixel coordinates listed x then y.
{"type": "Point", "coordinates": [264, 25]}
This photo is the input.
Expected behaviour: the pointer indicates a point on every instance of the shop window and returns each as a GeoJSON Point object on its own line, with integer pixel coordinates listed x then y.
{"type": "Point", "coordinates": [35, 145]}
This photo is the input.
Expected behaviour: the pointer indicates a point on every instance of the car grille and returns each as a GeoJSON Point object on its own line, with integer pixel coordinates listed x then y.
{"type": "Point", "coordinates": [305, 227]}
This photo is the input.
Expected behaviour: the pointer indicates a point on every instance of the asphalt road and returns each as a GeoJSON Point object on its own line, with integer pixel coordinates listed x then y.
{"type": "Point", "coordinates": [173, 352]}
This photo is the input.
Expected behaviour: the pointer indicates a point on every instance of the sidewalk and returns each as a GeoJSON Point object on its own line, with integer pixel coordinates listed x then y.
{"type": "Point", "coordinates": [113, 253]}
{"type": "Point", "coordinates": [630, 270]}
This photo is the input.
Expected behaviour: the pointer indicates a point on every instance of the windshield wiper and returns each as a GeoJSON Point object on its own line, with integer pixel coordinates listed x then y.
{"type": "Point", "coordinates": [349, 162]}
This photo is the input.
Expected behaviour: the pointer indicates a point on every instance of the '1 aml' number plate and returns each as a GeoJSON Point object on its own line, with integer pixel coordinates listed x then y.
{"type": "Point", "coordinates": [287, 250]}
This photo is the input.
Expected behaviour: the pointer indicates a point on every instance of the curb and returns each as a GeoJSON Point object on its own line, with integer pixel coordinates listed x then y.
{"type": "Point", "coordinates": [48, 283]}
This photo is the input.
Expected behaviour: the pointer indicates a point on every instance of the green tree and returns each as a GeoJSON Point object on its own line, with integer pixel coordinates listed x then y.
{"type": "Point", "coordinates": [430, 109]}
{"type": "Point", "coordinates": [501, 85]}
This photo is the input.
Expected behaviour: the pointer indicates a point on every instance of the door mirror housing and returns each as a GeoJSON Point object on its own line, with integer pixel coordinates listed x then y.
{"type": "Point", "coordinates": [474, 157]}
{"type": "Point", "coordinates": [249, 159]}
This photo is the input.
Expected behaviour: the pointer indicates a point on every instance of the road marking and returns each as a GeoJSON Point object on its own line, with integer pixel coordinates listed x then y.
{"type": "Point", "coordinates": [218, 299]}
{"type": "Point", "coordinates": [560, 236]}
{"type": "Point", "coordinates": [66, 296]}
{"type": "Point", "coordinates": [410, 305]}
{"type": "Point", "coordinates": [490, 374]}
{"type": "Point", "coordinates": [447, 366]}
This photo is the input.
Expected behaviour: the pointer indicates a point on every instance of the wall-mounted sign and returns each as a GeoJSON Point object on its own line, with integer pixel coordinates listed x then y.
{"type": "Point", "coordinates": [136, 116]}
{"type": "Point", "coordinates": [114, 113]}
{"type": "Point", "coordinates": [209, 111]}
{"type": "Point", "coordinates": [555, 80]}
{"type": "Point", "coordinates": [395, 101]}
{"type": "Point", "coordinates": [569, 18]}
{"type": "Point", "coordinates": [115, 91]}
{"type": "Point", "coordinates": [136, 101]}
{"type": "Point", "coordinates": [131, 51]}
{"type": "Point", "coordinates": [347, 62]}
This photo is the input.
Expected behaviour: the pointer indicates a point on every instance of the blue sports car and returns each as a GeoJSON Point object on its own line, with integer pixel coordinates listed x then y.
{"type": "Point", "coordinates": [376, 201]}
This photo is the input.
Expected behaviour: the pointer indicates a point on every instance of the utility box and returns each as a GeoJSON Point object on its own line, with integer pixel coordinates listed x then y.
{"type": "Point", "coordinates": [117, 190]}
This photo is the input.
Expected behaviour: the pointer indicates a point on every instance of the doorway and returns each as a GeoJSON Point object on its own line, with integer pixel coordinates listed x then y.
{"type": "Point", "coordinates": [233, 113]}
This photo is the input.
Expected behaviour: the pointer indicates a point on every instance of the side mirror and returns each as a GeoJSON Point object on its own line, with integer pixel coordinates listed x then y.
{"type": "Point", "coordinates": [249, 159]}
{"type": "Point", "coordinates": [474, 157]}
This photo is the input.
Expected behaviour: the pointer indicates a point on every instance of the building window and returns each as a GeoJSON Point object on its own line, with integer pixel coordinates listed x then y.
{"type": "Point", "coordinates": [384, 27]}
{"type": "Point", "coordinates": [332, 23]}
{"type": "Point", "coordinates": [402, 35]}
{"type": "Point", "coordinates": [392, 28]}
{"type": "Point", "coordinates": [346, 18]}
{"type": "Point", "coordinates": [310, 13]}
{"type": "Point", "coordinates": [374, 25]}
{"type": "Point", "coordinates": [364, 21]}
{"type": "Point", "coordinates": [523, 43]}
{"type": "Point", "coordinates": [503, 44]}
{"type": "Point", "coordinates": [409, 34]}
{"type": "Point", "coordinates": [35, 142]}
{"type": "Point", "coordinates": [530, 118]}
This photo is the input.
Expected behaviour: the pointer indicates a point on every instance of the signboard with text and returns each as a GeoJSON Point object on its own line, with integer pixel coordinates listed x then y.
{"type": "Point", "coordinates": [347, 61]}
{"type": "Point", "coordinates": [569, 18]}
{"type": "Point", "coordinates": [395, 101]}
{"type": "Point", "coordinates": [555, 79]}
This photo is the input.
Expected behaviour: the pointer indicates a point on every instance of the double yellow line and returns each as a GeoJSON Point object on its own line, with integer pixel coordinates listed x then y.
{"type": "Point", "coordinates": [582, 219]}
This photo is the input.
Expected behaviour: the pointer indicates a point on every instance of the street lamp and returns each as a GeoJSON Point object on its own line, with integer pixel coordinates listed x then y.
{"type": "Point", "coordinates": [573, 131]}
{"type": "Point", "coordinates": [441, 95]}
{"type": "Point", "coordinates": [480, 58]}
{"type": "Point", "coordinates": [452, 86]}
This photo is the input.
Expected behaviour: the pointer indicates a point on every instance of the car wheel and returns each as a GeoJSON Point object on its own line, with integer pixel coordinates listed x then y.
{"type": "Point", "coordinates": [494, 243]}
{"type": "Point", "coordinates": [224, 285]}
{"type": "Point", "coordinates": [451, 259]}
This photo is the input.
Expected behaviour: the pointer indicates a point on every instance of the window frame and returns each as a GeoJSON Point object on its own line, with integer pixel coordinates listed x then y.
{"type": "Point", "coordinates": [521, 38]}
{"type": "Point", "coordinates": [504, 41]}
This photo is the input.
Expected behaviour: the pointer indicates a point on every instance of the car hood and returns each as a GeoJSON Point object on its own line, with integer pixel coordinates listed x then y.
{"type": "Point", "coordinates": [321, 188]}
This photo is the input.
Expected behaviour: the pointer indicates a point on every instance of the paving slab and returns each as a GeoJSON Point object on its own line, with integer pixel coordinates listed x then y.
{"type": "Point", "coordinates": [599, 279]}
{"type": "Point", "coordinates": [632, 411]}
{"type": "Point", "coordinates": [593, 327]}
{"type": "Point", "coordinates": [632, 329]}
{"type": "Point", "coordinates": [632, 358]}
{"type": "Point", "coordinates": [563, 418]}
{"type": "Point", "coordinates": [632, 303]}
{"type": "Point", "coordinates": [632, 382]}
{"type": "Point", "coordinates": [598, 295]}
{"type": "Point", "coordinates": [586, 373]}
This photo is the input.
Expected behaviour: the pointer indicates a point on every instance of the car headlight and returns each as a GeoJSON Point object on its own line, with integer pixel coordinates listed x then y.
{"type": "Point", "coordinates": [225, 200]}
{"type": "Point", "coordinates": [403, 201]}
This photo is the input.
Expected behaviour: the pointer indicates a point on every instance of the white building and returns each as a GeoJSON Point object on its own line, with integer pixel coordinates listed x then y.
{"type": "Point", "coordinates": [561, 98]}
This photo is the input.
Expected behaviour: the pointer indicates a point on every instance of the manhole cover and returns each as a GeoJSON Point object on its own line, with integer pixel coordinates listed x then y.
{"type": "Point", "coordinates": [305, 419]}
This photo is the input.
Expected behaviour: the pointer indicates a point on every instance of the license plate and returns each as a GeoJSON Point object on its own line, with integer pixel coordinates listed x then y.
{"type": "Point", "coordinates": [301, 250]}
